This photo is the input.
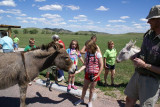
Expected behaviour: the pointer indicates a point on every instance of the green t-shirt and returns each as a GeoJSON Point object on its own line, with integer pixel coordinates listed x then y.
{"type": "Point", "coordinates": [27, 48]}
{"type": "Point", "coordinates": [110, 56]}
{"type": "Point", "coordinates": [15, 40]}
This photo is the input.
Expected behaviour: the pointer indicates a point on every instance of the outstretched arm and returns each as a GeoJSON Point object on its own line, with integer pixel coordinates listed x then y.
{"type": "Point", "coordinates": [81, 59]}
{"type": "Point", "coordinates": [83, 50]}
{"type": "Point", "coordinates": [82, 68]}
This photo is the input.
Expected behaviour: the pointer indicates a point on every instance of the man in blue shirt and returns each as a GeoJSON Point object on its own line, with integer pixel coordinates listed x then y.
{"type": "Point", "coordinates": [6, 43]}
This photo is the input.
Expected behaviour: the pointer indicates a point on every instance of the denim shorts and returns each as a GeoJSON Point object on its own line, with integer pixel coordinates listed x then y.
{"type": "Point", "coordinates": [7, 50]}
{"type": "Point", "coordinates": [15, 45]}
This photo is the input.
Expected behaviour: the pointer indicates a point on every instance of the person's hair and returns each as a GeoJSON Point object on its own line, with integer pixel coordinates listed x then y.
{"type": "Point", "coordinates": [110, 43]}
{"type": "Point", "coordinates": [4, 33]}
{"type": "Point", "coordinates": [31, 40]}
{"type": "Point", "coordinates": [92, 46]}
{"type": "Point", "coordinates": [77, 47]}
{"type": "Point", "coordinates": [94, 36]}
{"type": "Point", "coordinates": [86, 42]}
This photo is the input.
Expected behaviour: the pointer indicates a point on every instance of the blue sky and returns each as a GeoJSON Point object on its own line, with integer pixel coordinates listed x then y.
{"type": "Point", "coordinates": [110, 16]}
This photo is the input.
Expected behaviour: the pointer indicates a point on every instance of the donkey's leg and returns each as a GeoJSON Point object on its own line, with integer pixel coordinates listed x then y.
{"type": "Point", "coordinates": [23, 90]}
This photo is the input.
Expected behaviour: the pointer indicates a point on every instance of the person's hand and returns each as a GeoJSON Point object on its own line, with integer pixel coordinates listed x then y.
{"type": "Point", "coordinates": [76, 72]}
{"type": "Point", "coordinates": [139, 62]}
{"type": "Point", "coordinates": [105, 67]}
{"type": "Point", "coordinates": [95, 77]}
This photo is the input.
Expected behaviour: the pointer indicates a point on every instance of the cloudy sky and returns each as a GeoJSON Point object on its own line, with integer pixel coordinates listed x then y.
{"type": "Point", "coordinates": [110, 16]}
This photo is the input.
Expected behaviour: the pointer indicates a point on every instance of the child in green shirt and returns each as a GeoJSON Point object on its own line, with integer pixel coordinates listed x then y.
{"type": "Point", "coordinates": [109, 62]}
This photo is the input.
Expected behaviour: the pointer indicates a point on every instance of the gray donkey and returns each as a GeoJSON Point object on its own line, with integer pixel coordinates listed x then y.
{"type": "Point", "coordinates": [22, 67]}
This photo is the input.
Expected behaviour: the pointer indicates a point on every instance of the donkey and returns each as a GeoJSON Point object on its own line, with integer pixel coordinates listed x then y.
{"type": "Point", "coordinates": [129, 50]}
{"type": "Point", "coordinates": [22, 67]}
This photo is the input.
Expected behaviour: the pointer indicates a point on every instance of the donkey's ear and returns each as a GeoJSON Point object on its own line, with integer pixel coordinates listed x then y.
{"type": "Point", "coordinates": [55, 46]}
{"type": "Point", "coordinates": [134, 42]}
{"type": "Point", "coordinates": [131, 41]}
{"type": "Point", "coordinates": [129, 47]}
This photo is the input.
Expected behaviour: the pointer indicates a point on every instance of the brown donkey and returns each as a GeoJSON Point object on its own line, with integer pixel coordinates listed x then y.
{"type": "Point", "coordinates": [22, 67]}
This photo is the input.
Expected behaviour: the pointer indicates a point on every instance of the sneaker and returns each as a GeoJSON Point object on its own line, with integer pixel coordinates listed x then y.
{"type": "Point", "coordinates": [30, 84]}
{"type": "Point", "coordinates": [79, 102]}
{"type": "Point", "coordinates": [90, 104]}
{"type": "Point", "coordinates": [74, 87]}
{"type": "Point", "coordinates": [61, 78]}
{"type": "Point", "coordinates": [69, 87]}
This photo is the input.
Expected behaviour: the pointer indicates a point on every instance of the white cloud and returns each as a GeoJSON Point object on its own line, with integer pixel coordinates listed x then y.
{"type": "Point", "coordinates": [143, 19]}
{"type": "Point", "coordinates": [33, 5]}
{"type": "Point", "coordinates": [0, 18]}
{"type": "Point", "coordinates": [8, 16]}
{"type": "Point", "coordinates": [115, 21]}
{"type": "Point", "coordinates": [39, 0]}
{"type": "Point", "coordinates": [51, 16]}
{"type": "Point", "coordinates": [13, 11]}
{"type": "Point", "coordinates": [124, 17]}
{"type": "Point", "coordinates": [8, 3]}
{"type": "Point", "coordinates": [72, 20]}
{"type": "Point", "coordinates": [51, 7]}
{"type": "Point", "coordinates": [54, 17]}
{"type": "Point", "coordinates": [102, 8]}
{"type": "Point", "coordinates": [108, 25]}
{"type": "Point", "coordinates": [81, 18]}
{"type": "Point", "coordinates": [72, 7]}
{"type": "Point", "coordinates": [2, 11]}
{"type": "Point", "coordinates": [24, 21]}
{"type": "Point", "coordinates": [137, 25]}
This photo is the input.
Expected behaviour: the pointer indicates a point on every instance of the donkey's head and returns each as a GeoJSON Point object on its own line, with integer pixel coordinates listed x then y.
{"type": "Point", "coordinates": [126, 52]}
{"type": "Point", "coordinates": [60, 58]}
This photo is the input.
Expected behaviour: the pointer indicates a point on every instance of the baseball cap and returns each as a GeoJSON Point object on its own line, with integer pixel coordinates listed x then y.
{"type": "Point", "coordinates": [55, 37]}
{"type": "Point", "coordinates": [154, 12]}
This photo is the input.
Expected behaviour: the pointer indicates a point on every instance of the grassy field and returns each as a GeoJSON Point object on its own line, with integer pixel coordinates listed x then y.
{"type": "Point", "coordinates": [124, 70]}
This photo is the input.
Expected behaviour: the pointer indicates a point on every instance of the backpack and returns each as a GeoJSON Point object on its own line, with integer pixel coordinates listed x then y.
{"type": "Point", "coordinates": [92, 64]}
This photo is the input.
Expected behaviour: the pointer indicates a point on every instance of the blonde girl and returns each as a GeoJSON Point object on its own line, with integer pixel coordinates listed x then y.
{"type": "Point", "coordinates": [109, 62]}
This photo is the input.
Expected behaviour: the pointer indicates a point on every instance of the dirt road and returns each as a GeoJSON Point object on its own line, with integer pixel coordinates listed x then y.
{"type": "Point", "coordinates": [39, 96]}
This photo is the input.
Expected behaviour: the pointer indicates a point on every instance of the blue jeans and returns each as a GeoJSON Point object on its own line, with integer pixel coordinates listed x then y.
{"type": "Point", "coordinates": [60, 73]}
{"type": "Point", "coordinates": [7, 50]}
{"type": "Point", "coordinates": [15, 45]}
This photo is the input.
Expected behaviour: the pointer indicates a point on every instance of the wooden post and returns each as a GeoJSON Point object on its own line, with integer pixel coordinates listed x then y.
{"type": "Point", "coordinates": [9, 31]}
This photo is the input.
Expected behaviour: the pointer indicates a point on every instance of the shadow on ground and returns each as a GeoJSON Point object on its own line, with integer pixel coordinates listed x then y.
{"type": "Point", "coordinates": [15, 101]}
{"type": "Point", "coordinates": [122, 103]}
{"type": "Point", "coordinates": [100, 83]}
{"type": "Point", "coordinates": [70, 97]}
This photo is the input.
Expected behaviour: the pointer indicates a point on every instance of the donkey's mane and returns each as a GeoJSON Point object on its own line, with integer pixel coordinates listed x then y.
{"type": "Point", "coordinates": [45, 47]}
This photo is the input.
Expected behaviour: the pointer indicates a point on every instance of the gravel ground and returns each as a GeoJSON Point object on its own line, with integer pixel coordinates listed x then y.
{"type": "Point", "coordinates": [39, 96]}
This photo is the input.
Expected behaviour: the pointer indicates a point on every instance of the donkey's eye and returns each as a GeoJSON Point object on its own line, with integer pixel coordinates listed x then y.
{"type": "Point", "coordinates": [66, 58]}
{"type": "Point", "coordinates": [123, 52]}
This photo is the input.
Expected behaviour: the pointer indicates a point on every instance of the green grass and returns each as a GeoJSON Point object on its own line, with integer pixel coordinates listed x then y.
{"type": "Point", "coordinates": [124, 70]}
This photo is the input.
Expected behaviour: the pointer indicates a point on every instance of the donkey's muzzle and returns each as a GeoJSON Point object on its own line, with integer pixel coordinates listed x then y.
{"type": "Point", "coordinates": [72, 69]}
